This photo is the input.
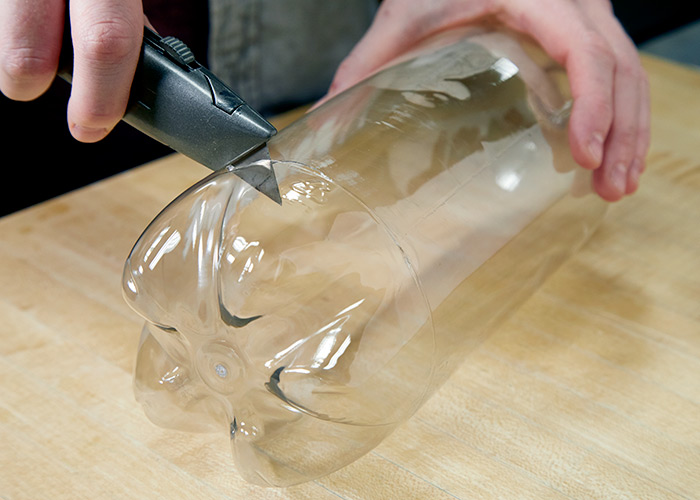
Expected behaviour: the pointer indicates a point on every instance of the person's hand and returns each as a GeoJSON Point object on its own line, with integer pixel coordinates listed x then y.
{"type": "Point", "coordinates": [106, 36]}
{"type": "Point", "coordinates": [609, 124]}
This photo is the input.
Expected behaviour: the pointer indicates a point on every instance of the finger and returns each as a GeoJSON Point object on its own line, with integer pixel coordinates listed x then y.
{"type": "Point", "coordinates": [574, 42]}
{"type": "Point", "coordinates": [384, 38]}
{"type": "Point", "coordinates": [107, 39]}
{"type": "Point", "coordinates": [626, 149]}
{"type": "Point", "coordinates": [610, 180]}
{"type": "Point", "coordinates": [621, 165]}
{"type": "Point", "coordinates": [30, 42]}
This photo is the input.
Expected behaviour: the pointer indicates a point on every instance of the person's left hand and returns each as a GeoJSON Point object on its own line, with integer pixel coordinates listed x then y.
{"type": "Point", "coordinates": [609, 124]}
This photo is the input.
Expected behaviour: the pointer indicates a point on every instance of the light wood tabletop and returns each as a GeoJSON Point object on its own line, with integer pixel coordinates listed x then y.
{"type": "Point", "coordinates": [590, 390]}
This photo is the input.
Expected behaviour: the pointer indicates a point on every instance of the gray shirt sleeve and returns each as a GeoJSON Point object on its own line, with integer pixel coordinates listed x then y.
{"type": "Point", "coordinates": [278, 54]}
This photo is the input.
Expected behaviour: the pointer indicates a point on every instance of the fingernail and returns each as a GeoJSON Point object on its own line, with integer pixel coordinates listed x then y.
{"type": "Point", "coordinates": [595, 148]}
{"type": "Point", "coordinates": [618, 177]}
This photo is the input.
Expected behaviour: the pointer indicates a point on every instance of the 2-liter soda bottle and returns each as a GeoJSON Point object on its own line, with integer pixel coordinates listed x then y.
{"type": "Point", "coordinates": [420, 208]}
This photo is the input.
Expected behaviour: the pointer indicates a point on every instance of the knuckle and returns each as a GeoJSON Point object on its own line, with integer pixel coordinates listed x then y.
{"type": "Point", "coordinates": [626, 140]}
{"type": "Point", "coordinates": [109, 40]}
{"type": "Point", "coordinates": [22, 65]}
{"type": "Point", "coordinates": [599, 49]}
{"type": "Point", "coordinates": [601, 109]}
{"type": "Point", "coordinates": [388, 10]}
{"type": "Point", "coordinates": [97, 114]}
{"type": "Point", "coordinates": [594, 113]}
{"type": "Point", "coordinates": [629, 70]}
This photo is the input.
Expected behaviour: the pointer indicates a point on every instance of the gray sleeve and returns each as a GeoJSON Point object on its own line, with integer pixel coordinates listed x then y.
{"type": "Point", "coordinates": [278, 54]}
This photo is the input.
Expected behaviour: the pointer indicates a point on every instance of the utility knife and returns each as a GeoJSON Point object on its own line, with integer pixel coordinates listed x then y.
{"type": "Point", "coordinates": [180, 103]}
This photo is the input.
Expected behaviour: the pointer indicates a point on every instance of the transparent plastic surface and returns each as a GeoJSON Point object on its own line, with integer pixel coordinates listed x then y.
{"type": "Point", "coordinates": [420, 208]}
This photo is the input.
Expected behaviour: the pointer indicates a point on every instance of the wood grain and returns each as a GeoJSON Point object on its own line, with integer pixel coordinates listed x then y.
{"type": "Point", "coordinates": [591, 390]}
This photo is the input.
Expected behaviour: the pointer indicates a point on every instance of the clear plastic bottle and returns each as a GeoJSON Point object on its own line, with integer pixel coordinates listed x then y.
{"type": "Point", "coordinates": [420, 208]}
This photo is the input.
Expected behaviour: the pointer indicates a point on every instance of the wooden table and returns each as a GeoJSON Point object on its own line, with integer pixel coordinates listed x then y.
{"type": "Point", "coordinates": [591, 390]}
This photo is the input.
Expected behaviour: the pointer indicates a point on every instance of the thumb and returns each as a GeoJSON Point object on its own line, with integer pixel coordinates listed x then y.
{"type": "Point", "coordinates": [381, 43]}
{"type": "Point", "coordinates": [397, 27]}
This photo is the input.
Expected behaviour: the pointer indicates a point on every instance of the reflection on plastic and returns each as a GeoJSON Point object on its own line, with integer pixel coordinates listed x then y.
{"type": "Point", "coordinates": [419, 209]}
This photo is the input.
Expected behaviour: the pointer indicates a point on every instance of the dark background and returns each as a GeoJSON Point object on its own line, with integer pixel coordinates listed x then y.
{"type": "Point", "coordinates": [43, 160]}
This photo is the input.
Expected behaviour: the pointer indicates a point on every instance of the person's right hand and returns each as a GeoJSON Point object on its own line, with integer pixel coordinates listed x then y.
{"type": "Point", "coordinates": [107, 37]}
